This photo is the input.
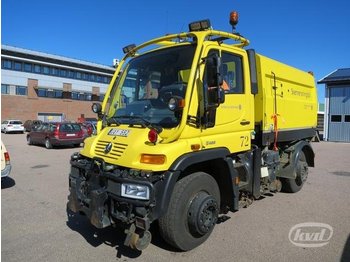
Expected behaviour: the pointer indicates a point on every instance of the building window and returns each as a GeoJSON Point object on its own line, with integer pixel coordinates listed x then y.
{"type": "Point", "coordinates": [18, 66]}
{"type": "Point", "coordinates": [21, 90]}
{"type": "Point", "coordinates": [81, 96]}
{"type": "Point", "coordinates": [24, 66]}
{"type": "Point", "coordinates": [37, 69]}
{"type": "Point", "coordinates": [46, 70]}
{"type": "Point", "coordinates": [5, 89]}
{"type": "Point", "coordinates": [50, 93]}
{"type": "Point", "coordinates": [71, 74]}
{"type": "Point", "coordinates": [58, 93]}
{"type": "Point", "coordinates": [42, 92]}
{"type": "Point", "coordinates": [347, 119]}
{"type": "Point", "coordinates": [85, 76]}
{"type": "Point", "coordinates": [28, 67]}
{"type": "Point", "coordinates": [63, 73]}
{"type": "Point", "coordinates": [102, 96]}
{"type": "Point", "coordinates": [336, 118]}
{"type": "Point", "coordinates": [7, 64]}
{"type": "Point", "coordinates": [54, 71]}
{"type": "Point", "coordinates": [75, 95]}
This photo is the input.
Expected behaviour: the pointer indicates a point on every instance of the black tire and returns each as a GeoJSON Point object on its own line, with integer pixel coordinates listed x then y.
{"type": "Point", "coordinates": [76, 145]}
{"type": "Point", "coordinates": [192, 212]}
{"type": "Point", "coordinates": [294, 185]}
{"type": "Point", "coordinates": [48, 144]}
{"type": "Point", "coordinates": [29, 141]}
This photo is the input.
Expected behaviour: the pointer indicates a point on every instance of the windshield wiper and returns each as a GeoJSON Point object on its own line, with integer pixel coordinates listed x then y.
{"type": "Point", "coordinates": [113, 120]}
{"type": "Point", "coordinates": [139, 120]}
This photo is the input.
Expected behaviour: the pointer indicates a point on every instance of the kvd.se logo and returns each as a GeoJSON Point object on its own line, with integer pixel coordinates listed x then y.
{"type": "Point", "coordinates": [310, 234]}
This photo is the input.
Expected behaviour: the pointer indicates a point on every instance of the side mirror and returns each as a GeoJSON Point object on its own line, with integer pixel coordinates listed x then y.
{"type": "Point", "coordinates": [214, 80]}
{"type": "Point", "coordinates": [213, 77]}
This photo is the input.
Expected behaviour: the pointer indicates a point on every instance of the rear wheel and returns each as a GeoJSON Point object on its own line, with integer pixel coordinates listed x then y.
{"type": "Point", "coordinates": [192, 212]}
{"type": "Point", "coordinates": [301, 169]}
{"type": "Point", "coordinates": [48, 144]}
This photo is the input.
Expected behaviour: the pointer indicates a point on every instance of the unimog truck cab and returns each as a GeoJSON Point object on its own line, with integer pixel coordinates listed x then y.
{"type": "Point", "coordinates": [193, 125]}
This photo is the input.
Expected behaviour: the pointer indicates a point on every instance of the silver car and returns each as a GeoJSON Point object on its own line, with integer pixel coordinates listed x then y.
{"type": "Point", "coordinates": [5, 162]}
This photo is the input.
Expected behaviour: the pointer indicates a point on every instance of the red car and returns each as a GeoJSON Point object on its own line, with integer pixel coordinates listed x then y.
{"type": "Point", "coordinates": [56, 134]}
{"type": "Point", "coordinates": [89, 128]}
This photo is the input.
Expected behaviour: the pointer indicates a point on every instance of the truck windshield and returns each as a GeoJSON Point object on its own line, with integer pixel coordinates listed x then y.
{"type": "Point", "coordinates": [146, 85]}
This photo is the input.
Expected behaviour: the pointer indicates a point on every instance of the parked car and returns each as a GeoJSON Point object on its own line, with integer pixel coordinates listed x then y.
{"type": "Point", "coordinates": [5, 162]}
{"type": "Point", "coordinates": [89, 128]}
{"type": "Point", "coordinates": [56, 134]}
{"type": "Point", "coordinates": [11, 125]}
{"type": "Point", "coordinates": [31, 123]}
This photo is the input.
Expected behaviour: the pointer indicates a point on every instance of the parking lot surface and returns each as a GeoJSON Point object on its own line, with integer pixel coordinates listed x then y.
{"type": "Point", "coordinates": [35, 225]}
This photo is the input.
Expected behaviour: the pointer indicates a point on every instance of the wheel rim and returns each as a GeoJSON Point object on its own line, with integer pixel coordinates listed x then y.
{"type": "Point", "coordinates": [202, 214]}
{"type": "Point", "coordinates": [28, 140]}
{"type": "Point", "coordinates": [47, 143]}
{"type": "Point", "coordinates": [302, 170]}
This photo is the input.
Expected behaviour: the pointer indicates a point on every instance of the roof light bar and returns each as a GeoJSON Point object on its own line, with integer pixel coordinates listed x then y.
{"type": "Point", "coordinates": [128, 48]}
{"type": "Point", "coordinates": [199, 25]}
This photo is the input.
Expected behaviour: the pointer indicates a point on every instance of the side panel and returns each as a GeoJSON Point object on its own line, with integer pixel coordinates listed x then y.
{"type": "Point", "coordinates": [286, 92]}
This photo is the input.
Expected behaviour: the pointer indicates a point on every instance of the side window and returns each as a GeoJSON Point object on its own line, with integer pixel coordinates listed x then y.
{"type": "Point", "coordinates": [232, 72]}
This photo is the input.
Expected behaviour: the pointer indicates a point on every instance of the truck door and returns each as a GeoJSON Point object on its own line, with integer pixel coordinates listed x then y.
{"type": "Point", "coordinates": [234, 118]}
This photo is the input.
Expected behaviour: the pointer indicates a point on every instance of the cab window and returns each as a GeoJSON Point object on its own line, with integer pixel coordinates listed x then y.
{"type": "Point", "coordinates": [232, 73]}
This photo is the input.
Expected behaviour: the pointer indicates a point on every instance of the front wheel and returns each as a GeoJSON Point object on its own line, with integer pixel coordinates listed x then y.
{"type": "Point", "coordinates": [192, 212]}
{"type": "Point", "coordinates": [29, 140]}
{"type": "Point", "coordinates": [301, 169]}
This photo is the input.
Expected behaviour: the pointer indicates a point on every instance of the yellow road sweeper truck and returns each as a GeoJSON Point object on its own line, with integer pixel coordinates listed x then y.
{"type": "Point", "coordinates": [193, 125]}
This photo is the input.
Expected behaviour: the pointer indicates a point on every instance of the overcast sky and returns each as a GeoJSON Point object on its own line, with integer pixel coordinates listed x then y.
{"type": "Point", "coordinates": [313, 35]}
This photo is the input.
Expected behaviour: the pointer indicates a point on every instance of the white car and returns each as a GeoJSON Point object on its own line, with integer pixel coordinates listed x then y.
{"type": "Point", "coordinates": [11, 125]}
{"type": "Point", "coordinates": [5, 162]}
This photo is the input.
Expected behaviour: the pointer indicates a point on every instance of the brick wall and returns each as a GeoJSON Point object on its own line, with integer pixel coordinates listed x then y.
{"type": "Point", "coordinates": [28, 107]}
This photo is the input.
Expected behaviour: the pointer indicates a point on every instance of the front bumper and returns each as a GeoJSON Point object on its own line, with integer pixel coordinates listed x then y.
{"type": "Point", "coordinates": [6, 171]}
{"type": "Point", "coordinates": [96, 192]}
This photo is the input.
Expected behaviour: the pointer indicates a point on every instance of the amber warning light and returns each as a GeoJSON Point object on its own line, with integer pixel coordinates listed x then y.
{"type": "Point", "coordinates": [233, 19]}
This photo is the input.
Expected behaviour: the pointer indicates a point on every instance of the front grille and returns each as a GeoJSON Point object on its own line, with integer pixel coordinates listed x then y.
{"type": "Point", "coordinates": [116, 152]}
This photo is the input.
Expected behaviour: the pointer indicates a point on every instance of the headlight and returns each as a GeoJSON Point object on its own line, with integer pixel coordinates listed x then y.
{"type": "Point", "coordinates": [135, 191]}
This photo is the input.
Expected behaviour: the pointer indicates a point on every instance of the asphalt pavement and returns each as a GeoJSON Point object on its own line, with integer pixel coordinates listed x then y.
{"type": "Point", "coordinates": [36, 227]}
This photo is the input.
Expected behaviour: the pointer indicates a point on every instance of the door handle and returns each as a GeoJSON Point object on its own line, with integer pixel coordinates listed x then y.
{"type": "Point", "coordinates": [244, 122]}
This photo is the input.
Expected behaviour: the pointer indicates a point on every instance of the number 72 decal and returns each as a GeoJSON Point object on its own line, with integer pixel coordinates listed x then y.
{"type": "Point", "coordinates": [244, 141]}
